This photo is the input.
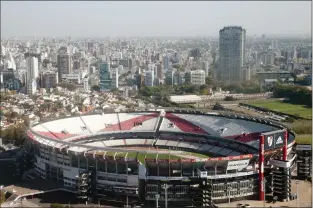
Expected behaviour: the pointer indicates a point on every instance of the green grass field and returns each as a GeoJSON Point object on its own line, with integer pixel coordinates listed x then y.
{"type": "Point", "coordinates": [304, 139]}
{"type": "Point", "coordinates": [293, 109]}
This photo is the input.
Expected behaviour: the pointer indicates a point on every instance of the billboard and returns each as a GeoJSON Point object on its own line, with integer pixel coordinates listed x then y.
{"type": "Point", "coordinates": [237, 165]}
{"type": "Point", "coordinates": [274, 139]}
{"type": "Point", "coordinates": [304, 147]}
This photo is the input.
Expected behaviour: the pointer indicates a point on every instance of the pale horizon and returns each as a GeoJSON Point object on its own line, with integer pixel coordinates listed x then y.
{"type": "Point", "coordinates": [153, 19]}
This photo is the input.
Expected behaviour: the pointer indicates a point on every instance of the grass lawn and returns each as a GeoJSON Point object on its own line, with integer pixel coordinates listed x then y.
{"type": "Point", "coordinates": [304, 139]}
{"type": "Point", "coordinates": [280, 106]}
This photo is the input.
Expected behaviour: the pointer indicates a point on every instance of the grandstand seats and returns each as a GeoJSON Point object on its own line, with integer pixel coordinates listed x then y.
{"type": "Point", "coordinates": [205, 147]}
{"type": "Point", "coordinates": [245, 137]}
{"type": "Point", "coordinates": [234, 153]}
{"type": "Point", "coordinates": [135, 142]}
{"type": "Point", "coordinates": [225, 152]}
{"type": "Point", "coordinates": [94, 122]}
{"type": "Point", "coordinates": [212, 125]}
{"type": "Point", "coordinates": [161, 142]}
{"type": "Point", "coordinates": [55, 135]}
{"type": "Point", "coordinates": [184, 125]}
{"type": "Point", "coordinates": [165, 126]}
{"type": "Point", "coordinates": [215, 149]}
{"type": "Point", "coordinates": [183, 144]}
{"type": "Point", "coordinates": [115, 142]}
{"type": "Point", "coordinates": [194, 146]}
{"type": "Point", "coordinates": [147, 124]}
{"type": "Point", "coordinates": [149, 141]}
{"type": "Point", "coordinates": [172, 143]}
{"type": "Point", "coordinates": [128, 121]}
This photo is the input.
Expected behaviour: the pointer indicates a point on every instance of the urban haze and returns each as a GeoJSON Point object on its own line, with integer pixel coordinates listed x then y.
{"type": "Point", "coordinates": [156, 104]}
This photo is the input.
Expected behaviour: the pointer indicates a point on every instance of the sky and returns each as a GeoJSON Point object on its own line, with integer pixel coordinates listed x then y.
{"type": "Point", "coordinates": [163, 18]}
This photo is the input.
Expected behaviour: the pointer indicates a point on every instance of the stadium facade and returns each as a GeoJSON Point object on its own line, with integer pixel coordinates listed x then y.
{"type": "Point", "coordinates": [164, 157]}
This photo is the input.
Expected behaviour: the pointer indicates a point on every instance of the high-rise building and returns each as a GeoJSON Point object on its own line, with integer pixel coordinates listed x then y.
{"type": "Point", "coordinates": [86, 84]}
{"type": "Point", "coordinates": [32, 68]}
{"type": "Point", "coordinates": [195, 53]}
{"type": "Point", "coordinates": [104, 76]}
{"type": "Point", "coordinates": [232, 44]}
{"type": "Point", "coordinates": [90, 47]}
{"type": "Point", "coordinates": [165, 62]}
{"type": "Point", "coordinates": [197, 77]}
{"type": "Point", "coordinates": [169, 77]}
{"type": "Point", "coordinates": [64, 62]}
{"type": "Point", "coordinates": [205, 67]}
{"type": "Point", "coordinates": [49, 80]}
{"type": "Point", "coordinates": [179, 78]}
{"type": "Point", "coordinates": [159, 71]}
{"type": "Point", "coordinates": [102, 49]}
{"type": "Point", "coordinates": [149, 80]}
{"type": "Point", "coordinates": [31, 87]}
{"type": "Point", "coordinates": [114, 78]}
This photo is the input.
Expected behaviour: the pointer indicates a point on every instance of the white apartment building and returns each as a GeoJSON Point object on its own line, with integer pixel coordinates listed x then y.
{"type": "Point", "coordinates": [31, 87]}
{"type": "Point", "coordinates": [73, 77]}
{"type": "Point", "coordinates": [76, 76]}
{"type": "Point", "coordinates": [197, 77]}
{"type": "Point", "coordinates": [86, 85]}
{"type": "Point", "coordinates": [149, 79]}
{"type": "Point", "coordinates": [32, 68]}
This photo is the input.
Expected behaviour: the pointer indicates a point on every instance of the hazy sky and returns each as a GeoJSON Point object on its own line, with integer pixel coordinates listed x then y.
{"type": "Point", "coordinates": [100, 19]}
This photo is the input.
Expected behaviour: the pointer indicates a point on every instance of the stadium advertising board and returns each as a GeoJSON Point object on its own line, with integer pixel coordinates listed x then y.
{"type": "Point", "coordinates": [231, 175]}
{"type": "Point", "coordinates": [237, 165]}
{"type": "Point", "coordinates": [304, 147]}
{"type": "Point", "coordinates": [274, 139]}
{"type": "Point", "coordinates": [280, 163]}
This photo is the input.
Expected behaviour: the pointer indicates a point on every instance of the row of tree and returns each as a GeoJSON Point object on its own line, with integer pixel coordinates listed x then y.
{"type": "Point", "coordinates": [14, 134]}
{"type": "Point", "coordinates": [295, 94]}
{"type": "Point", "coordinates": [68, 86]}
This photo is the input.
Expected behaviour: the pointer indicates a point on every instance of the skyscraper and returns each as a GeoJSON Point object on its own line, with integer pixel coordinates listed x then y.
{"type": "Point", "coordinates": [232, 43]}
{"type": "Point", "coordinates": [149, 80]}
{"type": "Point", "coordinates": [205, 67]}
{"type": "Point", "coordinates": [165, 62]}
{"type": "Point", "coordinates": [104, 77]}
{"type": "Point", "coordinates": [32, 68]}
{"type": "Point", "coordinates": [64, 62]}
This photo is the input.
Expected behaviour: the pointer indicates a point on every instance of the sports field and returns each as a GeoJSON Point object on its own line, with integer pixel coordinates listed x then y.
{"type": "Point", "coordinates": [280, 106]}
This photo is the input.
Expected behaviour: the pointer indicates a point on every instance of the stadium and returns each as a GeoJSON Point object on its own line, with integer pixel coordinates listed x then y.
{"type": "Point", "coordinates": [162, 157]}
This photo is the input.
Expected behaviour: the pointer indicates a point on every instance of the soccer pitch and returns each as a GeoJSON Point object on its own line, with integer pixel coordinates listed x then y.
{"type": "Point", "coordinates": [280, 106]}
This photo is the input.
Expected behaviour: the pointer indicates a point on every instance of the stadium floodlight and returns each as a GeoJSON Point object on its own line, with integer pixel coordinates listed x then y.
{"type": "Point", "coordinates": [157, 196]}
{"type": "Point", "coordinates": [228, 189]}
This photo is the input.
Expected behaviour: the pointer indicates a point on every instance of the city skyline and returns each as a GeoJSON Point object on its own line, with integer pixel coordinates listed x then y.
{"type": "Point", "coordinates": [102, 19]}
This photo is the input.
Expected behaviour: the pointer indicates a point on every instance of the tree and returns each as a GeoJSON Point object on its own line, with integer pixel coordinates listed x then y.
{"type": "Point", "coordinates": [115, 90]}
{"type": "Point", "coordinates": [229, 98]}
{"type": "Point", "coordinates": [14, 115]}
{"type": "Point", "coordinates": [95, 88]}
{"type": "Point", "coordinates": [68, 86]}
{"type": "Point", "coordinates": [26, 120]}
{"type": "Point", "coordinates": [208, 80]}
